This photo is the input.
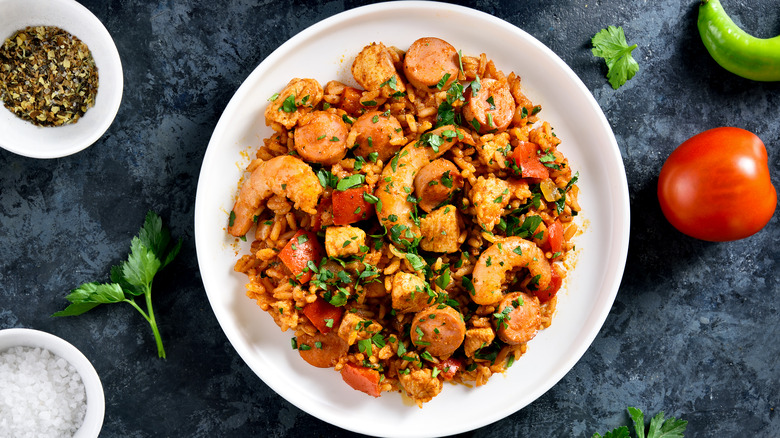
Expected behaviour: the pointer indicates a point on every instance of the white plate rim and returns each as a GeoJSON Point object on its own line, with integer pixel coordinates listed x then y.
{"type": "Point", "coordinates": [617, 193]}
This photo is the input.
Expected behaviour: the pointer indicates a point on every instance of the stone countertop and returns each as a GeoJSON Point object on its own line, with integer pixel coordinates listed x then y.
{"type": "Point", "coordinates": [695, 326]}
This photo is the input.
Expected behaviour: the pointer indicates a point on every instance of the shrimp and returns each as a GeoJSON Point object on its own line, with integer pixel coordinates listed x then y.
{"type": "Point", "coordinates": [284, 175]}
{"type": "Point", "coordinates": [502, 257]}
{"type": "Point", "coordinates": [397, 180]}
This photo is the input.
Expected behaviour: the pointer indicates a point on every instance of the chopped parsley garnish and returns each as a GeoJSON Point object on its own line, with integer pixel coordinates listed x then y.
{"type": "Point", "coordinates": [289, 105]}
{"type": "Point", "coordinates": [350, 182]}
{"type": "Point", "coordinates": [327, 179]}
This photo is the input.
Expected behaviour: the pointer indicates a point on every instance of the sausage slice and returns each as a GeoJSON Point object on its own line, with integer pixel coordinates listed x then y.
{"type": "Point", "coordinates": [428, 60]}
{"type": "Point", "coordinates": [377, 132]}
{"type": "Point", "coordinates": [321, 137]}
{"type": "Point", "coordinates": [520, 318]}
{"type": "Point", "coordinates": [439, 329]}
{"type": "Point", "coordinates": [322, 350]}
{"type": "Point", "coordinates": [491, 108]}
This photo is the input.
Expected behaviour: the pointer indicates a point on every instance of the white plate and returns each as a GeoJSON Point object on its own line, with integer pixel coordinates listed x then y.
{"type": "Point", "coordinates": [324, 52]}
{"type": "Point", "coordinates": [24, 138]}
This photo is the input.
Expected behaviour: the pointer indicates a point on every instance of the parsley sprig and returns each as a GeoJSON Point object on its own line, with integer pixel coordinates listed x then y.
{"type": "Point", "coordinates": [659, 427]}
{"type": "Point", "coordinates": [150, 251]}
{"type": "Point", "coordinates": [610, 44]}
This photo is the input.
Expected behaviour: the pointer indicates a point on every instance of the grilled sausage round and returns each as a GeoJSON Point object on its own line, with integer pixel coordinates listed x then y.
{"type": "Point", "coordinates": [377, 132]}
{"type": "Point", "coordinates": [439, 329]}
{"type": "Point", "coordinates": [491, 108]}
{"type": "Point", "coordinates": [322, 350]}
{"type": "Point", "coordinates": [428, 60]}
{"type": "Point", "coordinates": [321, 137]}
{"type": "Point", "coordinates": [520, 323]}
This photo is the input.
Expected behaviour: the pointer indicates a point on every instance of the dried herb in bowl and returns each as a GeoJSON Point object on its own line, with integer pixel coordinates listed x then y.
{"type": "Point", "coordinates": [47, 76]}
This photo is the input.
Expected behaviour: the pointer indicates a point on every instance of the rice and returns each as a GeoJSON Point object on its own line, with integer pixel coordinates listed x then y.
{"type": "Point", "coordinates": [372, 286]}
{"type": "Point", "coordinates": [41, 394]}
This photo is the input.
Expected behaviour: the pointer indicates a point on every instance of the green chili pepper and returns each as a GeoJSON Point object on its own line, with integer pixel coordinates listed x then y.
{"type": "Point", "coordinates": [734, 49]}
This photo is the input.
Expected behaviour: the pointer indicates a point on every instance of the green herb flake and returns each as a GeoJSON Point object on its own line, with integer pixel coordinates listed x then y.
{"type": "Point", "coordinates": [289, 105]}
{"type": "Point", "coordinates": [443, 81]}
{"type": "Point", "coordinates": [491, 102]}
{"type": "Point", "coordinates": [350, 182]}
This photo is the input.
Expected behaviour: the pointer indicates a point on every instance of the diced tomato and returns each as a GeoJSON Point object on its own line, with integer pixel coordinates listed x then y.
{"type": "Point", "coordinates": [526, 158]}
{"type": "Point", "coordinates": [555, 285]}
{"type": "Point", "coordinates": [350, 101]}
{"type": "Point", "coordinates": [299, 251]}
{"type": "Point", "coordinates": [555, 237]}
{"type": "Point", "coordinates": [449, 367]}
{"type": "Point", "coordinates": [361, 378]}
{"type": "Point", "coordinates": [323, 315]}
{"type": "Point", "coordinates": [349, 206]}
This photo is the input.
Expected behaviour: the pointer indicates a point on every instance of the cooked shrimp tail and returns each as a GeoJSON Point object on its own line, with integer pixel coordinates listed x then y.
{"type": "Point", "coordinates": [284, 175]}
{"type": "Point", "coordinates": [501, 258]}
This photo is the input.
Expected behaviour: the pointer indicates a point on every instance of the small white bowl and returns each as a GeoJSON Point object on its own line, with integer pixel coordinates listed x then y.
{"type": "Point", "coordinates": [23, 137]}
{"type": "Point", "coordinates": [96, 403]}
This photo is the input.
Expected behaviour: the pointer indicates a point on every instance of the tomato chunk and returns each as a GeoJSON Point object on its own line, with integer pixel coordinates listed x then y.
{"type": "Point", "coordinates": [323, 315]}
{"type": "Point", "coordinates": [361, 378]}
{"type": "Point", "coordinates": [555, 237]}
{"type": "Point", "coordinates": [449, 367]}
{"type": "Point", "coordinates": [525, 156]}
{"type": "Point", "coordinates": [556, 281]}
{"type": "Point", "coordinates": [350, 101]}
{"type": "Point", "coordinates": [299, 251]}
{"type": "Point", "coordinates": [350, 206]}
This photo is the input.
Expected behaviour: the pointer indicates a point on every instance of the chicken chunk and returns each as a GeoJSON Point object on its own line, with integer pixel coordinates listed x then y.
{"type": "Point", "coordinates": [420, 385]}
{"type": "Point", "coordinates": [477, 338]}
{"type": "Point", "coordinates": [344, 241]}
{"type": "Point", "coordinates": [409, 293]}
{"type": "Point", "coordinates": [373, 69]}
{"type": "Point", "coordinates": [440, 230]}
{"type": "Point", "coordinates": [355, 328]}
{"type": "Point", "coordinates": [490, 196]}
{"type": "Point", "coordinates": [299, 97]}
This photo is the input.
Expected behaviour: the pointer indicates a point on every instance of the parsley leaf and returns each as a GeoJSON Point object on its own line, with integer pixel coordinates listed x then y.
{"type": "Point", "coordinates": [659, 427]}
{"type": "Point", "coordinates": [350, 182]}
{"type": "Point", "coordinates": [610, 44]}
{"type": "Point", "coordinates": [416, 261]}
{"type": "Point", "coordinates": [620, 432]}
{"type": "Point", "coordinates": [150, 251]}
{"type": "Point", "coordinates": [288, 105]}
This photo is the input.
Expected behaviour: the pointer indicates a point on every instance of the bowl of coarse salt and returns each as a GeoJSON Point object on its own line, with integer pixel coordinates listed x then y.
{"type": "Point", "coordinates": [47, 387]}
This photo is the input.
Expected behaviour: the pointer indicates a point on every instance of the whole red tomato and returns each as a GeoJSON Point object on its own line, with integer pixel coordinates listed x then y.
{"type": "Point", "coordinates": [716, 185]}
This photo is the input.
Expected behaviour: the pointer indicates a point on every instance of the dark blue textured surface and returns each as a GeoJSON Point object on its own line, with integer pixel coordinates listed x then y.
{"type": "Point", "coordinates": [695, 327]}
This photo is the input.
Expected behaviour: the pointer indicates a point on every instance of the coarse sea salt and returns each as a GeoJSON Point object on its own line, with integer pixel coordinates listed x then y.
{"type": "Point", "coordinates": [41, 395]}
